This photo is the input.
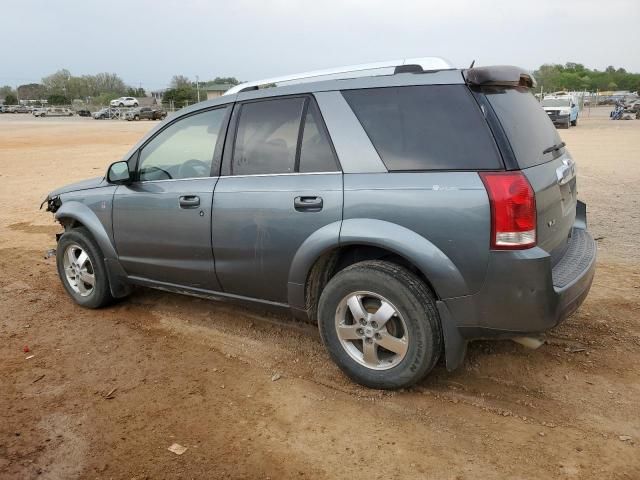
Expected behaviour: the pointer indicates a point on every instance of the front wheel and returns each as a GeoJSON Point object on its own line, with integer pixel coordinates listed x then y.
{"type": "Point", "coordinates": [81, 269]}
{"type": "Point", "coordinates": [380, 324]}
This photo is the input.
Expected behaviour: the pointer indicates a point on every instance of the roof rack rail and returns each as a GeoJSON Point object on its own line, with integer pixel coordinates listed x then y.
{"type": "Point", "coordinates": [350, 71]}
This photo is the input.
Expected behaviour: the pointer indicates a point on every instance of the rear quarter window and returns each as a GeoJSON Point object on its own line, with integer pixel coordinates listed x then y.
{"type": "Point", "coordinates": [426, 127]}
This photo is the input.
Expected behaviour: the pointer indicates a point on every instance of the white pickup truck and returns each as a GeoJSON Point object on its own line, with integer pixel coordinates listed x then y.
{"type": "Point", "coordinates": [562, 109]}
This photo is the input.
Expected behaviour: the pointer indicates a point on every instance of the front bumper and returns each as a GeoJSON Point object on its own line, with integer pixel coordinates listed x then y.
{"type": "Point", "coordinates": [523, 293]}
{"type": "Point", "coordinates": [559, 119]}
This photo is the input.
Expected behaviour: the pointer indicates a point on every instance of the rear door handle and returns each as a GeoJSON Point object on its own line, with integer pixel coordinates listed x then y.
{"type": "Point", "coordinates": [189, 201]}
{"type": "Point", "coordinates": [308, 204]}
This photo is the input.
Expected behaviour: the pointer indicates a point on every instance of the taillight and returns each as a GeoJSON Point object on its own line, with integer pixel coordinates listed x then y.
{"type": "Point", "coordinates": [513, 210]}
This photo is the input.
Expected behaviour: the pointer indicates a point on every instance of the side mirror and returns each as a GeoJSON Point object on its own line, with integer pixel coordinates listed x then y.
{"type": "Point", "coordinates": [118, 173]}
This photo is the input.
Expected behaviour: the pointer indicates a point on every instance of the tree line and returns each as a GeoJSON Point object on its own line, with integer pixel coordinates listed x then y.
{"type": "Point", "coordinates": [61, 88]}
{"type": "Point", "coordinates": [576, 77]}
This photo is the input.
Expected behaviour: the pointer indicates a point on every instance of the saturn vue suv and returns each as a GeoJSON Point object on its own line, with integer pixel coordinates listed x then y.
{"type": "Point", "coordinates": [405, 211]}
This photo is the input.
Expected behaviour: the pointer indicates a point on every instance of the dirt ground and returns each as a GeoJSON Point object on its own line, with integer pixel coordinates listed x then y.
{"type": "Point", "coordinates": [107, 392]}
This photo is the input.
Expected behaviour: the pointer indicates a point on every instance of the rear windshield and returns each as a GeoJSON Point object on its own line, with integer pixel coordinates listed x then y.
{"type": "Point", "coordinates": [526, 124]}
{"type": "Point", "coordinates": [556, 102]}
{"type": "Point", "coordinates": [426, 127]}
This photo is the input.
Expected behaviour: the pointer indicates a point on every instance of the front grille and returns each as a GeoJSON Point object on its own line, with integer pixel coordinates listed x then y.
{"type": "Point", "coordinates": [578, 257]}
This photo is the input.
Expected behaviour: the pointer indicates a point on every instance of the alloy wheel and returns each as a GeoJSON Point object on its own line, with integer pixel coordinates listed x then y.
{"type": "Point", "coordinates": [79, 270]}
{"type": "Point", "coordinates": [371, 330]}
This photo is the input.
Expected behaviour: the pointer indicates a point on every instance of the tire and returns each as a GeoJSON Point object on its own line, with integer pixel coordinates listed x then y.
{"type": "Point", "coordinates": [136, 117]}
{"type": "Point", "coordinates": [415, 324]}
{"type": "Point", "coordinates": [135, 104]}
{"type": "Point", "coordinates": [121, 104]}
{"type": "Point", "coordinates": [72, 244]}
{"type": "Point", "coordinates": [575, 122]}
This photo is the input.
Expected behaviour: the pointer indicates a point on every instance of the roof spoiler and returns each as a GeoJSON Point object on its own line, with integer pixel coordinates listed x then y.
{"type": "Point", "coordinates": [501, 75]}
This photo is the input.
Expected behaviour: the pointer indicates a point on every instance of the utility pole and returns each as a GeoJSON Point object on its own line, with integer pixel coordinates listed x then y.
{"type": "Point", "coordinates": [198, 87]}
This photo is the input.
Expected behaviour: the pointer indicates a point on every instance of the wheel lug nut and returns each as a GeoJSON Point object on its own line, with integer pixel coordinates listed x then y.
{"type": "Point", "coordinates": [363, 321]}
{"type": "Point", "coordinates": [374, 324]}
{"type": "Point", "coordinates": [360, 331]}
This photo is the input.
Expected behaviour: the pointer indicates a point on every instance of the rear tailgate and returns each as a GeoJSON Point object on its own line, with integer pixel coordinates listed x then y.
{"type": "Point", "coordinates": [550, 171]}
{"type": "Point", "coordinates": [555, 202]}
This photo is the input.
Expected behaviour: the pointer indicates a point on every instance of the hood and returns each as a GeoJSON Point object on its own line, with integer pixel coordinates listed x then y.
{"type": "Point", "coordinates": [83, 185]}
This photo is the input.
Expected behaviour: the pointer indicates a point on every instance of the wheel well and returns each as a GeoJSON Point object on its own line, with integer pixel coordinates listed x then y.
{"type": "Point", "coordinates": [70, 223]}
{"type": "Point", "coordinates": [332, 262]}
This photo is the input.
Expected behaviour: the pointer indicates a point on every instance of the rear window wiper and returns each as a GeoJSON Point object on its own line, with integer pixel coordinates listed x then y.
{"type": "Point", "coordinates": [553, 148]}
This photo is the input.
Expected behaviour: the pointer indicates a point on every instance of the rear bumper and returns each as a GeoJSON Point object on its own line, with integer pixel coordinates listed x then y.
{"type": "Point", "coordinates": [524, 294]}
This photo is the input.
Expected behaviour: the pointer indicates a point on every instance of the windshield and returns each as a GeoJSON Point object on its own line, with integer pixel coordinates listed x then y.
{"type": "Point", "coordinates": [556, 102]}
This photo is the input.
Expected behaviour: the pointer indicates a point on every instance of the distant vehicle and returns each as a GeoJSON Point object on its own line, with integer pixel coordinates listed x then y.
{"type": "Point", "coordinates": [21, 109]}
{"type": "Point", "coordinates": [146, 112]}
{"type": "Point", "coordinates": [562, 110]}
{"type": "Point", "coordinates": [83, 113]}
{"type": "Point", "coordinates": [53, 112]}
{"type": "Point", "coordinates": [124, 102]}
{"type": "Point", "coordinates": [9, 109]}
{"type": "Point", "coordinates": [102, 114]}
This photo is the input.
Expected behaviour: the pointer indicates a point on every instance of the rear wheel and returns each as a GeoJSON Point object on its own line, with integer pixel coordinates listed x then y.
{"type": "Point", "coordinates": [380, 324]}
{"type": "Point", "coordinates": [81, 269]}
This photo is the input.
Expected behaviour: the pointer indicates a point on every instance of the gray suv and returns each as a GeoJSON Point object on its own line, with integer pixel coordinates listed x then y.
{"type": "Point", "coordinates": [404, 212]}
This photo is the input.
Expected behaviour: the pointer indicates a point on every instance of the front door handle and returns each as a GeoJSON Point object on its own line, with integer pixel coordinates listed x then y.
{"type": "Point", "coordinates": [308, 204]}
{"type": "Point", "coordinates": [189, 201]}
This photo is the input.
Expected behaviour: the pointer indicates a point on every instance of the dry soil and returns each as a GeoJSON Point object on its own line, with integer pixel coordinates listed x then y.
{"type": "Point", "coordinates": [103, 394]}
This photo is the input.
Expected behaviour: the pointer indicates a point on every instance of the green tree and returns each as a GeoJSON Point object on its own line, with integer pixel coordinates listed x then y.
{"type": "Point", "coordinates": [10, 99]}
{"type": "Point", "coordinates": [57, 99]}
{"type": "Point", "coordinates": [181, 96]}
{"type": "Point", "coordinates": [575, 76]}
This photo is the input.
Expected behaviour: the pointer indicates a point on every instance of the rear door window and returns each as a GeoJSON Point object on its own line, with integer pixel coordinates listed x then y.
{"type": "Point", "coordinates": [526, 124]}
{"type": "Point", "coordinates": [267, 137]}
{"type": "Point", "coordinates": [426, 127]}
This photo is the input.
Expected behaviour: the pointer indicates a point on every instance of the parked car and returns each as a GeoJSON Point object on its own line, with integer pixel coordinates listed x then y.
{"type": "Point", "coordinates": [21, 109]}
{"type": "Point", "coordinates": [404, 213]}
{"type": "Point", "coordinates": [83, 112]}
{"type": "Point", "coordinates": [102, 114]}
{"type": "Point", "coordinates": [146, 112]}
{"type": "Point", "coordinates": [124, 102]}
{"type": "Point", "coordinates": [9, 109]}
{"type": "Point", "coordinates": [562, 110]}
{"type": "Point", "coordinates": [53, 112]}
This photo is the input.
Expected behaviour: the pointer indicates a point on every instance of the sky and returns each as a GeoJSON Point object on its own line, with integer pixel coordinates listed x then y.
{"type": "Point", "coordinates": [146, 42]}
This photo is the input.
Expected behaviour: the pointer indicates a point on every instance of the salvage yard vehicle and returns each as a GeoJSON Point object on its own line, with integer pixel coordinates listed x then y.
{"type": "Point", "coordinates": [102, 114]}
{"type": "Point", "coordinates": [53, 112]}
{"type": "Point", "coordinates": [562, 110]}
{"type": "Point", "coordinates": [124, 102]}
{"type": "Point", "coordinates": [146, 112]}
{"type": "Point", "coordinates": [405, 212]}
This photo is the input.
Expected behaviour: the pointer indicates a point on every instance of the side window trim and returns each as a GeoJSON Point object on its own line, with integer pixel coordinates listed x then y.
{"type": "Point", "coordinates": [228, 106]}
{"type": "Point", "coordinates": [226, 169]}
{"type": "Point", "coordinates": [303, 122]}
